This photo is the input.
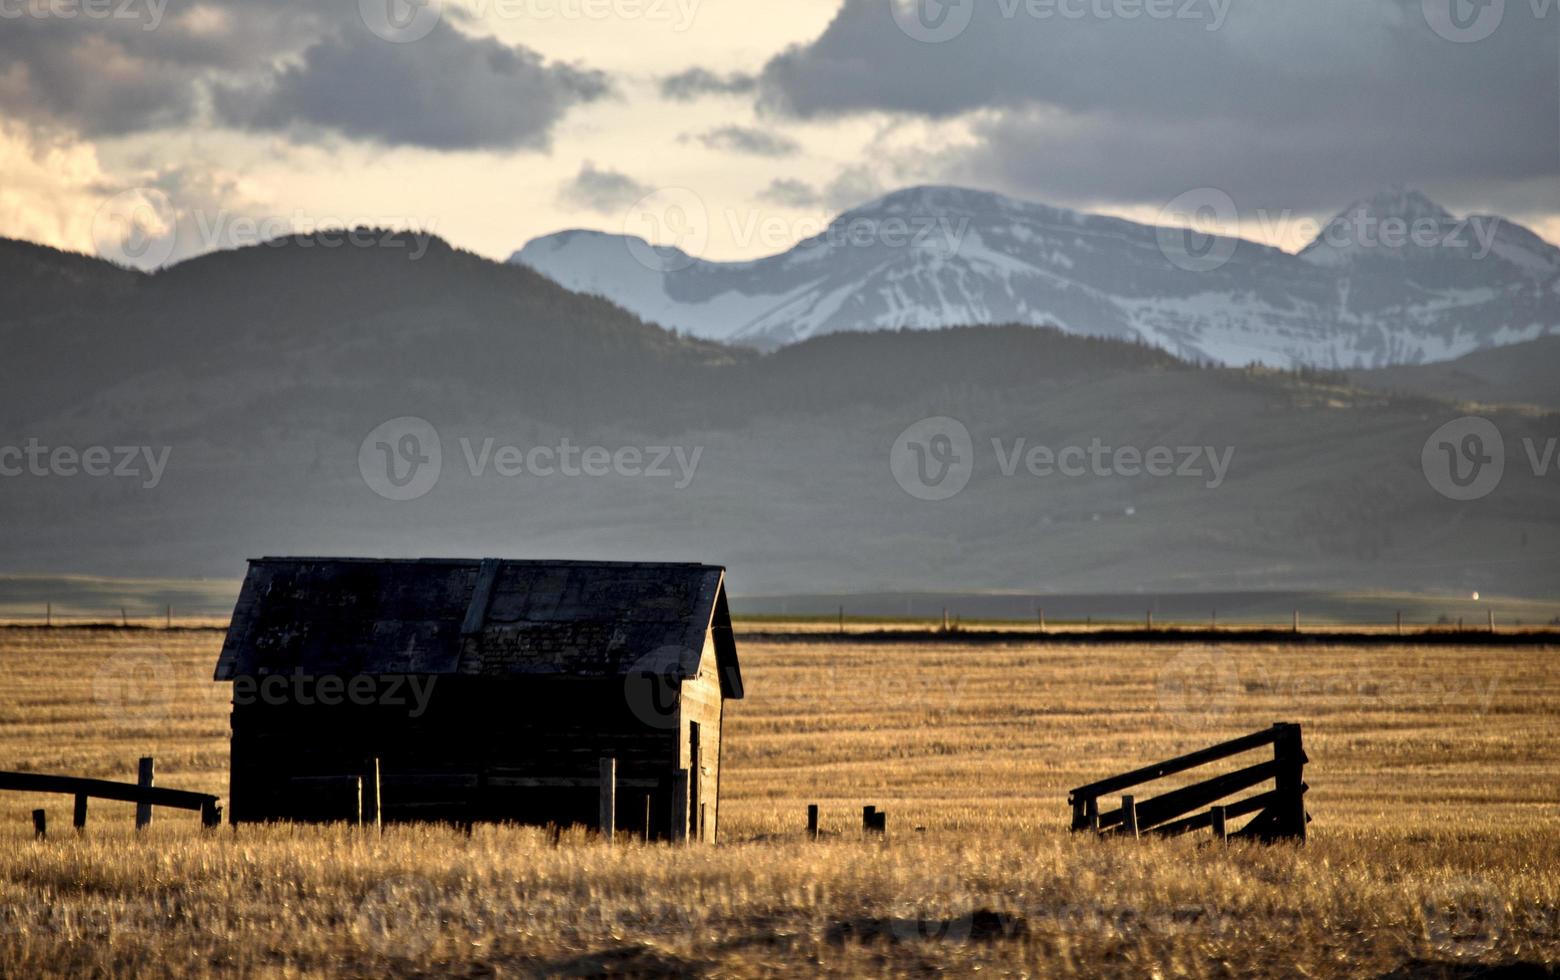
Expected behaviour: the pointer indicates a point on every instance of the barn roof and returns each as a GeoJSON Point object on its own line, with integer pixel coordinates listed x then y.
{"type": "Point", "coordinates": [492, 617]}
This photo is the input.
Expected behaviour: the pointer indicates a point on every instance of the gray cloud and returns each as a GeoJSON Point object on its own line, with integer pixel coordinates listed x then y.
{"type": "Point", "coordinates": [278, 65]}
{"type": "Point", "coordinates": [744, 139]}
{"type": "Point", "coordinates": [446, 91]}
{"type": "Point", "coordinates": [605, 191]}
{"type": "Point", "coordinates": [1292, 103]}
{"type": "Point", "coordinates": [698, 82]}
{"type": "Point", "coordinates": [790, 193]}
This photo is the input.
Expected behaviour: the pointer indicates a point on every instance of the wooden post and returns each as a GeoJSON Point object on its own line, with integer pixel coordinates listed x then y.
{"type": "Point", "coordinates": [680, 806]}
{"type": "Point", "coordinates": [145, 776]}
{"type": "Point", "coordinates": [211, 814]}
{"type": "Point", "coordinates": [1079, 821]}
{"type": "Point", "coordinates": [40, 824]}
{"type": "Point", "coordinates": [1220, 829]}
{"type": "Point", "coordinates": [1297, 621]}
{"type": "Point", "coordinates": [1400, 622]}
{"type": "Point", "coordinates": [1042, 619]}
{"type": "Point", "coordinates": [945, 619]}
{"type": "Point", "coordinates": [1492, 620]}
{"type": "Point", "coordinates": [647, 817]}
{"type": "Point", "coordinates": [1091, 814]}
{"type": "Point", "coordinates": [1459, 624]}
{"type": "Point", "coordinates": [372, 801]}
{"type": "Point", "coordinates": [168, 614]}
{"type": "Point", "coordinates": [607, 812]}
{"type": "Point", "coordinates": [1150, 620]}
{"type": "Point", "coordinates": [1129, 821]}
{"type": "Point", "coordinates": [867, 814]}
{"type": "Point", "coordinates": [48, 614]}
{"type": "Point", "coordinates": [1289, 755]}
{"type": "Point", "coordinates": [355, 800]}
{"type": "Point", "coordinates": [812, 821]}
{"type": "Point", "coordinates": [124, 618]}
{"type": "Point", "coordinates": [78, 818]}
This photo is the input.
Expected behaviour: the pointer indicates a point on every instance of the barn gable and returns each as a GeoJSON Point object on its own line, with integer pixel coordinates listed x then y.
{"type": "Point", "coordinates": [492, 618]}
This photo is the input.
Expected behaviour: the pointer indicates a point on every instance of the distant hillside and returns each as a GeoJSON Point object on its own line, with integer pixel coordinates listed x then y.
{"type": "Point", "coordinates": [1527, 374]}
{"type": "Point", "coordinates": [263, 372]}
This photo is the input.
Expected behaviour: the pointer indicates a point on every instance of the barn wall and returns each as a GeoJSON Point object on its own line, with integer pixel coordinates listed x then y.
{"type": "Point", "coordinates": [701, 703]}
{"type": "Point", "coordinates": [524, 750]}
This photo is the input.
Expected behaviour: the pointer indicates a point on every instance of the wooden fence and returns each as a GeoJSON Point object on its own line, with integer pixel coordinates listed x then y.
{"type": "Point", "coordinates": [1280, 812]}
{"type": "Point", "coordinates": [144, 795]}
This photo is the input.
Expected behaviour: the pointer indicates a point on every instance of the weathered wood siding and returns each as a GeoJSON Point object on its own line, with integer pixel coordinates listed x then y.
{"type": "Point", "coordinates": [701, 703]}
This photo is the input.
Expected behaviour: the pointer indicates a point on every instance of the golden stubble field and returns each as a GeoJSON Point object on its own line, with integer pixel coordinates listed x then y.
{"type": "Point", "coordinates": [1435, 775]}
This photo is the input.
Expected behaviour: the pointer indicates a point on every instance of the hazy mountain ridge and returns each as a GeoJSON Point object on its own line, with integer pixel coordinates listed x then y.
{"type": "Point", "coordinates": [263, 370]}
{"type": "Point", "coordinates": [931, 257]}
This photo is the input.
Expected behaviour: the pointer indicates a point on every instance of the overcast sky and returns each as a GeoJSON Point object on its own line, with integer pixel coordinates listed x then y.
{"type": "Point", "coordinates": [489, 122]}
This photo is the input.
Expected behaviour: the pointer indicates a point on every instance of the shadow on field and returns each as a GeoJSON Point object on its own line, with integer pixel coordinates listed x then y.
{"type": "Point", "coordinates": [638, 961]}
{"type": "Point", "coordinates": [983, 925]}
{"type": "Point", "coordinates": [1431, 970]}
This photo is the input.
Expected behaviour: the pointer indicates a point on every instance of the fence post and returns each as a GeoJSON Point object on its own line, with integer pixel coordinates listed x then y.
{"type": "Point", "coordinates": [1220, 829]}
{"type": "Point", "coordinates": [647, 817]}
{"type": "Point", "coordinates": [145, 776]}
{"type": "Point", "coordinates": [1129, 820]}
{"type": "Point", "coordinates": [1150, 620]}
{"type": "Point", "coordinates": [79, 816]}
{"type": "Point", "coordinates": [48, 614]}
{"type": "Point", "coordinates": [356, 789]}
{"type": "Point", "coordinates": [1289, 754]}
{"type": "Point", "coordinates": [1297, 622]}
{"type": "Point", "coordinates": [40, 824]}
{"type": "Point", "coordinates": [371, 795]}
{"type": "Point", "coordinates": [812, 821]}
{"type": "Point", "coordinates": [1492, 620]}
{"type": "Point", "coordinates": [607, 809]}
{"type": "Point", "coordinates": [211, 814]}
{"type": "Point", "coordinates": [867, 815]}
{"type": "Point", "coordinates": [1400, 622]}
{"type": "Point", "coordinates": [168, 617]}
{"type": "Point", "coordinates": [1091, 813]}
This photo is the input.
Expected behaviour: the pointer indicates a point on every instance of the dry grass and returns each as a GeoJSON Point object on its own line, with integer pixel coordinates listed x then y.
{"type": "Point", "coordinates": [1434, 777]}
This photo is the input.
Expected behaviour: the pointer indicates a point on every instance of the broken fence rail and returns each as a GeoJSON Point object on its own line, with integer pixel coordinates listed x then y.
{"type": "Point", "coordinates": [1280, 811]}
{"type": "Point", "coordinates": [208, 806]}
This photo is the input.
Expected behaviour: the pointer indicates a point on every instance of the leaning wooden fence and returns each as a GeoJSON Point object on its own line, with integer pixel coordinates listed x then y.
{"type": "Point", "coordinates": [1280, 811]}
{"type": "Point", "coordinates": [103, 789]}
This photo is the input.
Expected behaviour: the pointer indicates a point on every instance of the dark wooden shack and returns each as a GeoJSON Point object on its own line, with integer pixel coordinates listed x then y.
{"type": "Point", "coordinates": [480, 691]}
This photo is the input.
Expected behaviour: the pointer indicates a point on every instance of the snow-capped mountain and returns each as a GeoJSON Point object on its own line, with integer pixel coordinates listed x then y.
{"type": "Point", "coordinates": [1393, 279]}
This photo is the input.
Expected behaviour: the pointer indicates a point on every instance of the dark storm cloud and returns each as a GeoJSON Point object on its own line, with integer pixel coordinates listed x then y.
{"type": "Point", "coordinates": [274, 65]}
{"type": "Point", "coordinates": [446, 91]}
{"type": "Point", "coordinates": [745, 139]}
{"type": "Point", "coordinates": [698, 82]}
{"type": "Point", "coordinates": [1072, 97]}
{"type": "Point", "coordinates": [606, 191]}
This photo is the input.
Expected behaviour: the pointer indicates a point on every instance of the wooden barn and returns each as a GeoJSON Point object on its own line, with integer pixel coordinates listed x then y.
{"type": "Point", "coordinates": [473, 691]}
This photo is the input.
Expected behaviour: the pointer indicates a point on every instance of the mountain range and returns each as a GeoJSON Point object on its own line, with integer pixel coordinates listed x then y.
{"type": "Point", "coordinates": [262, 379]}
{"type": "Point", "coordinates": [1393, 279]}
